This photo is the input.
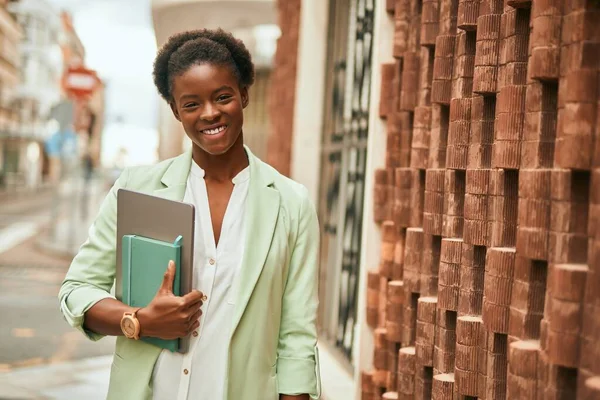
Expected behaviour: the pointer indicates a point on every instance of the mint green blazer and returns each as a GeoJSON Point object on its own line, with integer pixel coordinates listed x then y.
{"type": "Point", "coordinates": [273, 341]}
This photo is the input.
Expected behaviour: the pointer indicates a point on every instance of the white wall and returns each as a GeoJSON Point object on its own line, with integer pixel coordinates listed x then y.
{"type": "Point", "coordinates": [371, 238]}
{"type": "Point", "coordinates": [310, 88]}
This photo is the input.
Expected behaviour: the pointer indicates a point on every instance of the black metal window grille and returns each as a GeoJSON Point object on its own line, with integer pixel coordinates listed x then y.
{"type": "Point", "coordinates": [344, 156]}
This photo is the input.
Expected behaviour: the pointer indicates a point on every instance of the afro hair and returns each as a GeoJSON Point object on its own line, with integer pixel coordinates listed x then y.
{"type": "Point", "coordinates": [186, 49]}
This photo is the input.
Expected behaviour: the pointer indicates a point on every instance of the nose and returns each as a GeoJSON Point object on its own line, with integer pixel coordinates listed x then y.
{"type": "Point", "coordinates": [210, 112]}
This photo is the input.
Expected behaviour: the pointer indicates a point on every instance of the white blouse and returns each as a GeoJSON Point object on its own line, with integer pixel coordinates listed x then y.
{"type": "Point", "coordinates": [200, 374]}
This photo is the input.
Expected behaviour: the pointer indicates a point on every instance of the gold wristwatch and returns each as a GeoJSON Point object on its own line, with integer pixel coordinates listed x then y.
{"type": "Point", "coordinates": [130, 325]}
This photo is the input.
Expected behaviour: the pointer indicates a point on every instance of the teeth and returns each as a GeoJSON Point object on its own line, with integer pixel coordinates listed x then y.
{"type": "Point", "coordinates": [214, 131]}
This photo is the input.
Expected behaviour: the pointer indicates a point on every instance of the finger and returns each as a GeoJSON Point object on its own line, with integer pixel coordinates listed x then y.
{"type": "Point", "coordinates": [193, 298]}
{"type": "Point", "coordinates": [196, 316]}
{"type": "Point", "coordinates": [169, 277]}
{"type": "Point", "coordinates": [194, 326]}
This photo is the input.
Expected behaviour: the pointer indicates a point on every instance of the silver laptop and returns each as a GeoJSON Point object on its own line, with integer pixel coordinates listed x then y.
{"type": "Point", "coordinates": [161, 219]}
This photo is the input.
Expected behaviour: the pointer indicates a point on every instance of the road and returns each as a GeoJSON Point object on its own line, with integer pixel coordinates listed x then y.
{"type": "Point", "coordinates": [32, 329]}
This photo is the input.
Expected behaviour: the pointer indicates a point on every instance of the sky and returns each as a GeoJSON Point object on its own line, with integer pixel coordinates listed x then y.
{"type": "Point", "coordinates": [120, 45]}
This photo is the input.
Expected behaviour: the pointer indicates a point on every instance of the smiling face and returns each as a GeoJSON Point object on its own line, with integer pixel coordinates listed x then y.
{"type": "Point", "coordinates": [209, 102]}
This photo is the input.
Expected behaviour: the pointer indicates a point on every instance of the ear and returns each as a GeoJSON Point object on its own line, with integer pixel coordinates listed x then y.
{"type": "Point", "coordinates": [174, 109]}
{"type": "Point", "coordinates": [245, 97]}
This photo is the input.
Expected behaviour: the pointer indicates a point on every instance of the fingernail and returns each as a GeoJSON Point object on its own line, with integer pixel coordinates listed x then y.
{"type": "Point", "coordinates": [171, 263]}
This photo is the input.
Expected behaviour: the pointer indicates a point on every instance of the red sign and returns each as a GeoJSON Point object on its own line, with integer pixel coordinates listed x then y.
{"type": "Point", "coordinates": [80, 82]}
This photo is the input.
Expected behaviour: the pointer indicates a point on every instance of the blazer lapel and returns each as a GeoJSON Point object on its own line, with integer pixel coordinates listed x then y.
{"type": "Point", "coordinates": [175, 178]}
{"type": "Point", "coordinates": [261, 217]}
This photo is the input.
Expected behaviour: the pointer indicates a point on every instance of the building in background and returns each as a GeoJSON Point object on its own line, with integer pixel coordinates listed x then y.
{"type": "Point", "coordinates": [38, 91]}
{"type": "Point", "coordinates": [88, 112]}
{"type": "Point", "coordinates": [11, 147]}
{"type": "Point", "coordinates": [50, 117]}
{"type": "Point", "coordinates": [252, 21]}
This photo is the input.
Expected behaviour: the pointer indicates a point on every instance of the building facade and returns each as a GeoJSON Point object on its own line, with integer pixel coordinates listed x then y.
{"type": "Point", "coordinates": [38, 90]}
{"type": "Point", "coordinates": [88, 112]}
{"type": "Point", "coordinates": [457, 189]}
{"type": "Point", "coordinates": [10, 146]}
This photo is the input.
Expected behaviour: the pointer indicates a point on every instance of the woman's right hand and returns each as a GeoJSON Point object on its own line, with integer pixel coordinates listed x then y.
{"type": "Point", "coordinates": [169, 316]}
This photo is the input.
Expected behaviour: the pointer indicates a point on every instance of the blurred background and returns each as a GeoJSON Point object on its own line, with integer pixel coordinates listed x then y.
{"type": "Point", "coordinates": [77, 105]}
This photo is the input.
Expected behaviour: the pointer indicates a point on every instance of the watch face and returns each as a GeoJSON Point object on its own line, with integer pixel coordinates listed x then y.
{"type": "Point", "coordinates": [128, 326]}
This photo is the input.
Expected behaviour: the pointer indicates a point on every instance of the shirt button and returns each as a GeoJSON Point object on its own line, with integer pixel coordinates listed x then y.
{"type": "Point", "coordinates": [195, 333]}
{"type": "Point", "coordinates": [211, 261]}
{"type": "Point", "coordinates": [185, 371]}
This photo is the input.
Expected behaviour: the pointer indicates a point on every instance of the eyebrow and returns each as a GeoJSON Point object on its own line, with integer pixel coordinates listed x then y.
{"type": "Point", "coordinates": [224, 87]}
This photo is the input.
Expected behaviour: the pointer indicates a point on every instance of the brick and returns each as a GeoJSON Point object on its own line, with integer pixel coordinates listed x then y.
{"type": "Point", "coordinates": [528, 296]}
{"type": "Point", "coordinates": [495, 317]}
{"type": "Point", "coordinates": [382, 303]}
{"type": "Point", "coordinates": [406, 360]}
{"type": "Point", "coordinates": [466, 357]}
{"type": "Point", "coordinates": [380, 378]}
{"type": "Point", "coordinates": [401, 27]}
{"type": "Point", "coordinates": [477, 232]}
{"type": "Point", "coordinates": [568, 281]}
{"type": "Point", "coordinates": [581, 86]}
{"type": "Point", "coordinates": [546, 7]}
{"type": "Point", "coordinates": [387, 93]}
{"type": "Point", "coordinates": [442, 69]}
{"type": "Point", "coordinates": [524, 325]}
{"type": "Point", "coordinates": [545, 63]}
{"type": "Point", "coordinates": [566, 247]}
{"type": "Point", "coordinates": [573, 151]}
{"type": "Point", "coordinates": [380, 353]}
{"type": "Point", "coordinates": [476, 206]}
{"type": "Point", "coordinates": [426, 309]}
{"type": "Point", "coordinates": [497, 290]}
{"type": "Point", "coordinates": [443, 386]}
{"type": "Point", "coordinates": [484, 79]}
{"type": "Point", "coordinates": [535, 184]}
{"type": "Point", "coordinates": [410, 79]}
{"type": "Point", "coordinates": [564, 316]}
{"type": "Point", "coordinates": [367, 385]}
{"type": "Point", "coordinates": [563, 349]}
{"type": "Point", "coordinates": [520, 388]}
{"type": "Point", "coordinates": [500, 262]}
{"type": "Point", "coordinates": [468, 12]}
{"type": "Point", "coordinates": [430, 22]}
{"type": "Point", "coordinates": [372, 298]}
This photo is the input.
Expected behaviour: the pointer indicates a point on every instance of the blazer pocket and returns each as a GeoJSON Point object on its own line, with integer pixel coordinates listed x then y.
{"type": "Point", "coordinates": [117, 357]}
{"type": "Point", "coordinates": [273, 377]}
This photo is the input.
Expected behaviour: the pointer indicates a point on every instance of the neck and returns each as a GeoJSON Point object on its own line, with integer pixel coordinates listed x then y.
{"type": "Point", "coordinates": [222, 167]}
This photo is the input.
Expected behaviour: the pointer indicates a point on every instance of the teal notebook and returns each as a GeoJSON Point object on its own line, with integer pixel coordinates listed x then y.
{"type": "Point", "coordinates": [144, 264]}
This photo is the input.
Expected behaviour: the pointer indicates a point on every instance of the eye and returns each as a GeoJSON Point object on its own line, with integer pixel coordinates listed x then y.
{"type": "Point", "coordinates": [223, 97]}
{"type": "Point", "coordinates": [190, 105]}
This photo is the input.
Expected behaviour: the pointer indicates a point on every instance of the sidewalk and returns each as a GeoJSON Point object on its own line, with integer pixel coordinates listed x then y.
{"type": "Point", "coordinates": [85, 379]}
{"type": "Point", "coordinates": [76, 210]}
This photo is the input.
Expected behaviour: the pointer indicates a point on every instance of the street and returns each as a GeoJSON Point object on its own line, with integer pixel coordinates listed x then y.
{"type": "Point", "coordinates": [33, 332]}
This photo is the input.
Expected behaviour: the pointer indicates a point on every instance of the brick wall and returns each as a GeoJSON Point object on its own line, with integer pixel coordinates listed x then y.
{"type": "Point", "coordinates": [489, 203]}
{"type": "Point", "coordinates": [283, 87]}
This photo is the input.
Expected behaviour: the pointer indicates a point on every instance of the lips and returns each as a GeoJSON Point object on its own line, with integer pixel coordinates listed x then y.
{"type": "Point", "coordinates": [213, 130]}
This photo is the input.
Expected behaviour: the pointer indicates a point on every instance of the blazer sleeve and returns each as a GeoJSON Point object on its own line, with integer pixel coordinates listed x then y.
{"type": "Point", "coordinates": [92, 271]}
{"type": "Point", "coordinates": [297, 354]}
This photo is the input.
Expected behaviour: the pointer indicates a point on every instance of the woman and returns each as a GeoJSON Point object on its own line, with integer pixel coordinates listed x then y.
{"type": "Point", "coordinates": [252, 317]}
